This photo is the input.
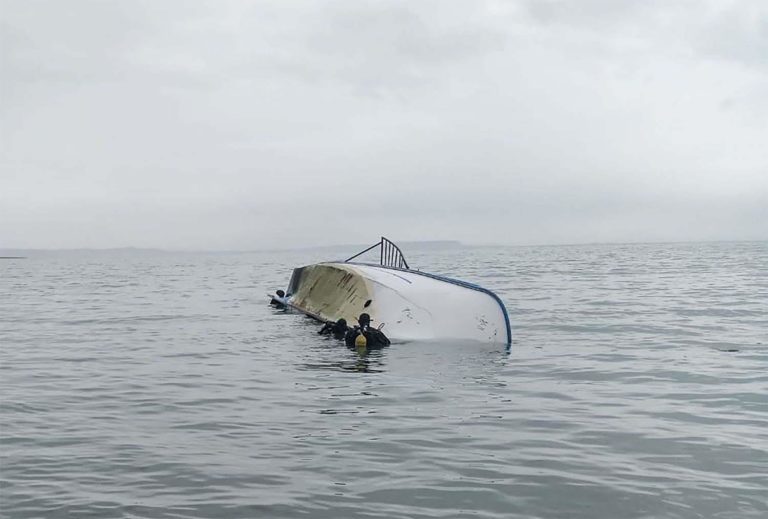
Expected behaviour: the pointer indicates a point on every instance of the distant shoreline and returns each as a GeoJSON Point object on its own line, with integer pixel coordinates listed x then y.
{"type": "Point", "coordinates": [26, 253]}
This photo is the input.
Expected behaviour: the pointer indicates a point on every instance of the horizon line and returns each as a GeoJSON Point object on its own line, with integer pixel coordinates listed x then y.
{"type": "Point", "coordinates": [129, 248]}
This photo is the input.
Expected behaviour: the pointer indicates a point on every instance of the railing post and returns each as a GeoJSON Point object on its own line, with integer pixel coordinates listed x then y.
{"type": "Point", "coordinates": [390, 254]}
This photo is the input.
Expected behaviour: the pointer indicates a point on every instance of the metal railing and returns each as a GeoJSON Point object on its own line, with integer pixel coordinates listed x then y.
{"type": "Point", "coordinates": [390, 254]}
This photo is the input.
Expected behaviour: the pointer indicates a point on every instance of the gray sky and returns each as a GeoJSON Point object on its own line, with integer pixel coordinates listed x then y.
{"type": "Point", "coordinates": [243, 124]}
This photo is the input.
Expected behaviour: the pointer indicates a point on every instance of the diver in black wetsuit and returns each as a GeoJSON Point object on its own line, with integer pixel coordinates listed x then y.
{"type": "Point", "coordinates": [337, 329]}
{"type": "Point", "coordinates": [373, 338]}
{"type": "Point", "coordinates": [277, 303]}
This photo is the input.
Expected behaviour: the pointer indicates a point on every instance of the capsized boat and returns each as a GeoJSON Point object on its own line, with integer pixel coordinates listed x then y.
{"type": "Point", "coordinates": [411, 304]}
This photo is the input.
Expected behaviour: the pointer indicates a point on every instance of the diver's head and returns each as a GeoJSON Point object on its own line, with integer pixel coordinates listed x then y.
{"type": "Point", "coordinates": [341, 324]}
{"type": "Point", "coordinates": [280, 293]}
{"type": "Point", "coordinates": [364, 319]}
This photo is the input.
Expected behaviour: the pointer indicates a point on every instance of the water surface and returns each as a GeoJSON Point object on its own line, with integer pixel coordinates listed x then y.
{"type": "Point", "coordinates": [162, 385]}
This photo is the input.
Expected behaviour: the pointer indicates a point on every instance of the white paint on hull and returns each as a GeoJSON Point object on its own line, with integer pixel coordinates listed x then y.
{"type": "Point", "coordinates": [412, 305]}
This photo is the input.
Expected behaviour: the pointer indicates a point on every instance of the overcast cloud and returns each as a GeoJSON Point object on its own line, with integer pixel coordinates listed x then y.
{"type": "Point", "coordinates": [242, 125]}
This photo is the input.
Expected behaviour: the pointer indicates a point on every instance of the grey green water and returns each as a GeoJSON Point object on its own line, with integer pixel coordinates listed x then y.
{"type": "Point", "coordinates": [162, 385]}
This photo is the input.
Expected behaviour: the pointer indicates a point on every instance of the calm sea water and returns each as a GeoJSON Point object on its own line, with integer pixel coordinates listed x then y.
{"type": "Point", "coordinates": [162, 385]}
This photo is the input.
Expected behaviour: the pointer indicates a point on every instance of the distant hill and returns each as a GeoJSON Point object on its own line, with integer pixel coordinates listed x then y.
{"type": "Point", "coordinates": [427, 244]}
{"type": "Point", "coordinates": [437, 244]}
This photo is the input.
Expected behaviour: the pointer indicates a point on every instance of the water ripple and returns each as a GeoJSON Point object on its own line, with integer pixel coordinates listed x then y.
{"type": "Point", "coordinates": [165, 387]}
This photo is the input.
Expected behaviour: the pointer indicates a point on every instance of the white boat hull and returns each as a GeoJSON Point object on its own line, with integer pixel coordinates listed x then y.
{"type": "Point", "coordinates": [412, 305]}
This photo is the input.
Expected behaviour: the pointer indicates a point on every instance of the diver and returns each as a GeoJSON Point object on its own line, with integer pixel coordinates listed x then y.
{"type": "Point", "coordinates": [337, 329]}
{"type": "Point", "coordinates": [363, 336]}
{"type": "Point", "coordinates": [278, 303]}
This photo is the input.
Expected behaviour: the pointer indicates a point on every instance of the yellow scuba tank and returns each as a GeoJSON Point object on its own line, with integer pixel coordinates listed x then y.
{"type": "Point", "coordinates": [361, 341]}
